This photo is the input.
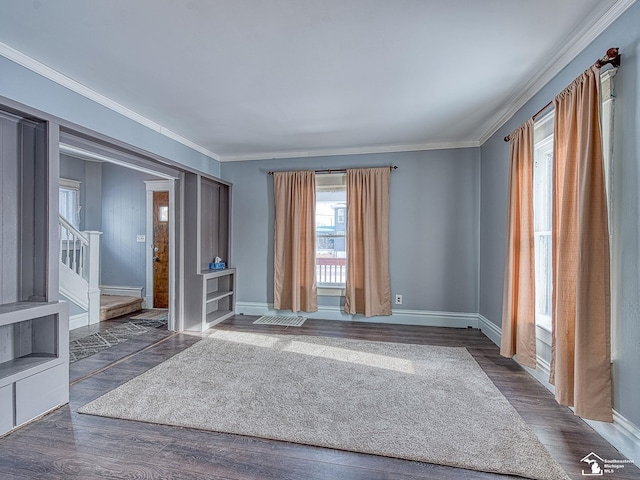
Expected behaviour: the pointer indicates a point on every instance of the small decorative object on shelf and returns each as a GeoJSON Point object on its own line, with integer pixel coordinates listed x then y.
{"type": "Point", "coordinates": [217, 264]}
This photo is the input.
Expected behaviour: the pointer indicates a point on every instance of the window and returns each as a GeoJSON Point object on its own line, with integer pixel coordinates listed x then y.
{"type": "Point", "coordinates": [331, 245]}
{"type": "Point", "coordinates": [542, 193]}
{"type": "Point", "coordinates": [69, 193]}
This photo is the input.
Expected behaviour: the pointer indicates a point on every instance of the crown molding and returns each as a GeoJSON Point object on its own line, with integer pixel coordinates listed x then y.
{"type": "Point", "coordinates": [67, 82]}
{"type": "Point", "coordinates": [349, 151]}
{"type": "Point", "coordinates": [582, 38]}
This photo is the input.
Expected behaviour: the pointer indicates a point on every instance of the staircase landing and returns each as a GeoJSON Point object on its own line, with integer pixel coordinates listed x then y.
{"type": "Point", "coordinates": [112, 306]}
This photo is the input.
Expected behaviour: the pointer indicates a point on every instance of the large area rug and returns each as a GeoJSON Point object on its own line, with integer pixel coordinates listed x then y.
{"type": "Point", "coordinates": [416, 402]}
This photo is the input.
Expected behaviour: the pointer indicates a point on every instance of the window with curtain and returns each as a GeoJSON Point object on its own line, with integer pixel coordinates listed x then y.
{"type": "Point", "coordinates": [332, 231]}
{"type": "Point", "coordinates": [580, 197]}
{"type": "Point", "coordinates": [542, 192]}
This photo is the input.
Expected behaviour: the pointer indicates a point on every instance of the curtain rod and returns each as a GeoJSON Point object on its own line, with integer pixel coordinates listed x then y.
{"type": "Point", "coordinates": [339, 170]}
{"type": "Point", "coordinates": [612, 57]}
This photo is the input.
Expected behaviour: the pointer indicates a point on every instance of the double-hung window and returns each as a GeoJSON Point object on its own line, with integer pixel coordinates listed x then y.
{"type": "Point", "coordinates": [331, 231]}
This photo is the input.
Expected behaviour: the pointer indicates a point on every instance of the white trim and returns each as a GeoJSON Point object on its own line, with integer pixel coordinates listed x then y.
{"type": "Point", "coordinates": [622, 434]}
{"type": "Point", "coordinates": [552, 66]}
{"type": "Point", "coordinates": [95, 157]}
{"type": "Point", "coordinates": [399, 316]}
{"type": "Point", "coordinates": [160, 186]}
{"type": "Point", "coordinates": [79, 320]}
{"type": "Point", "coordinates": [69, 183]}
{"type": "Point", "coordinates": [331, 291]}
{"type": "Point", "coordinates": [541, 373]}
{"type": "Point", "coordinates": [490, 329]}
{"type": "Point", "coordinates": [57, 77]}
{"type": "Point", "coordinates": [349, 151]}
{"type": "Point", "coordinates": [121, 290]}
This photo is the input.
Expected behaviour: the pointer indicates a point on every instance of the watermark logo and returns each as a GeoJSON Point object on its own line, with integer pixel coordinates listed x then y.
{"type": "Point", "coordinates": [598, 466]}
{"type": "Point", "coordinates": [595, 463]}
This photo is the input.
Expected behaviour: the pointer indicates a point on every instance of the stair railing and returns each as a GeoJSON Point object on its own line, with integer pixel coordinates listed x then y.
{"type": "Point", "coordinates": [80, 252]}
{"type": "Point", "coordinates": [74, 246]}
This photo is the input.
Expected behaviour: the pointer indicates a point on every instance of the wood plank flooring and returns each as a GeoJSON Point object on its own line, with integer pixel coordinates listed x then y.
{"type": "Point", "coordinates": [67, 445]}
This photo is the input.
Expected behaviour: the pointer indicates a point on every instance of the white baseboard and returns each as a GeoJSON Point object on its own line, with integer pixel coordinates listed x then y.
{"type": "Point", "coordinates": [79, 320]}
{"type": "Point", "coordinates": [399, 316]}
{"type": "Point", "coordinates": [622, 434]}
{"type": "Point", "coordinates": [121, 290]}
{"type": "Point", "coordinates": [490, 329]}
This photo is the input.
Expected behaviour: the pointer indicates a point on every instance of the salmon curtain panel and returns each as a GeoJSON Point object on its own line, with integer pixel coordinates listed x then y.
{"type": "Point", "coordinates": [294, 282]}
{"type": "Point", "coordinates": [581, 351]}
{"type": "Point", "coordinates": [368, 289]}
{"type": "Point", "coordinates": [518, 305]}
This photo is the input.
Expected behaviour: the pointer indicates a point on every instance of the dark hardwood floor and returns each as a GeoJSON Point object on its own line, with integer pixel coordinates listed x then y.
{"type": "Point", "coordinates": [68, 445]}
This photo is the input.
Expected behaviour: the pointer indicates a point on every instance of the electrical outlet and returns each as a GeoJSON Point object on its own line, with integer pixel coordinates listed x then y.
{"type": "Point", "coordinates": [398, 299]}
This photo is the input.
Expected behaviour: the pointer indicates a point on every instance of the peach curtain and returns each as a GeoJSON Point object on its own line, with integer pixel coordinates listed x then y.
{"type": "Point", "coordinates": [518, 306]}
{"type": "Point", "coordinates": [294, 277]}
{"type": "Point", "coordinates": [581, 351]}
{"type": "Point", "coordinates": [368, 288]}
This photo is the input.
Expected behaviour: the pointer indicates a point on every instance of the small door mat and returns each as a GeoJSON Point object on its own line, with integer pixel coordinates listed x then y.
{"type": "Point", "coordinates": [283, 320]}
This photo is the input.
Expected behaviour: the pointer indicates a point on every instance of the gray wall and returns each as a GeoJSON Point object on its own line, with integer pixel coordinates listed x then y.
{"type": "Point", "coordinates": [122, 260]}
{"type": "Point", "coordinates": [624, 33]}
{"type": "Point", "coordinates": [22, 85]}
{"type": "Point", "coordinates": [433, 225]}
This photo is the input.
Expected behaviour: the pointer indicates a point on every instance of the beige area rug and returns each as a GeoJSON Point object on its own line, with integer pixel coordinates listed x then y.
{"type": "Point", "coordinates": [416, 402]}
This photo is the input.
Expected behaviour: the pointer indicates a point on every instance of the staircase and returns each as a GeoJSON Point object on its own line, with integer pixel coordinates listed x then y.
{"type": "Point", "coordinates": [80, 268]}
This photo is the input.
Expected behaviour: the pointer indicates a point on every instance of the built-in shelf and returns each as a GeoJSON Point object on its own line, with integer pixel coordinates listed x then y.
{"type": "Point", "coordinates": [215, 296]}
{"type": "Point", "coordinates": [217, 300]}
{"type": "Point", "coordinates": [209, 294]}
{"type": "Point", "coordinates": [217, 316]}
{"type": "Point", "coordinates": [20, 311]}
{"type": "Point", "coordinates": [34, 333]}
{"type": "Point", "coordinates": [32, 361]}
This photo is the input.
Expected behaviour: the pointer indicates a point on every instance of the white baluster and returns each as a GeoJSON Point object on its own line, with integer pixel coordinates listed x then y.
{"type": "Point", "coordinates": [60, 227]}
{"type": "Point", "coordinates": [81, 260]}
{"type": "Point", "coordinates": [68, 259]}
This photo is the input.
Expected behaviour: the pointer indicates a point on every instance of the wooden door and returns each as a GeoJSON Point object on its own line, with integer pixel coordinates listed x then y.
{"type": "Point", "coordinates": [161, 249]}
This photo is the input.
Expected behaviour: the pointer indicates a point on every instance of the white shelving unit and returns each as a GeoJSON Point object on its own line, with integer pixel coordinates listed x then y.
{"type": "Point", "coordinates": [34, 361]}
{"type": "Point", "coordinates": [218, 288]}
{"type": "Point", "coordinates": [34, 328]}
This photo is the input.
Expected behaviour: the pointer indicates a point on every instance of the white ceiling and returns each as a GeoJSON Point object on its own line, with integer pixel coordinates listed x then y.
{"type": "Point", "coordinates": [249, 79]}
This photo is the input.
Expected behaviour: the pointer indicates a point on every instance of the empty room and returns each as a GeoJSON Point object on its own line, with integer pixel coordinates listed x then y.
{"type": "Point", "coordinates": [348, 239]}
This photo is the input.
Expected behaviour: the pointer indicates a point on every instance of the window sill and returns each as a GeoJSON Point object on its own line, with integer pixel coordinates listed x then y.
{"type": "Point", "coordinates": [544, 323]}
{"type": "Point", "coordinates": [331, 292]}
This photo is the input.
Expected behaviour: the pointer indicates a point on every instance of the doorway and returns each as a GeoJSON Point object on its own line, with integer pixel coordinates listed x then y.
{"type": "Point", "coordinates": [160, 246]}
{"type": "Point", "coordinates": [115, 193]}
{"type": "Point", "coordinates": [160, 285]}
